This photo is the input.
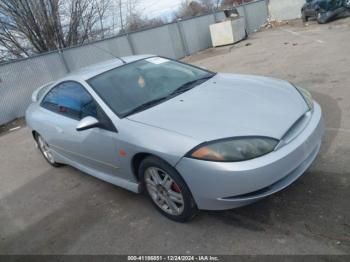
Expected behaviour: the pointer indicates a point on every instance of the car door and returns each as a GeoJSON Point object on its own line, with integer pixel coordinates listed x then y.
{"type": "Point", "coordinates": [94, 148]}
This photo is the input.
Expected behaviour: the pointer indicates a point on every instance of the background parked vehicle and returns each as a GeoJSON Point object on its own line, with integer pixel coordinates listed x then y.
{"type": "Point", "coordinates": [325, 10]}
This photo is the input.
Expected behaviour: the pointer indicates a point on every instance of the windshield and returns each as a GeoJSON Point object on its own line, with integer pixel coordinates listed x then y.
{"type": "Point", "coordinates": [136, 85]}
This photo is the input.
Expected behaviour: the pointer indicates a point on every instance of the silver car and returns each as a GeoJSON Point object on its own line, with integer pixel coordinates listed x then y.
{"type": "Point", "coordinates": [190, 138]}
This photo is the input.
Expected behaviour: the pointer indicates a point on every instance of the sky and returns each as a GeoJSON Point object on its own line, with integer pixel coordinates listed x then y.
{"type": "Point", "coordinates": [158, 8]}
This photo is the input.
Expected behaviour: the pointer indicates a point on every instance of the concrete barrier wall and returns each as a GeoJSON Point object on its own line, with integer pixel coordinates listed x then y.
{"type": "Point", "coordinates": [285, 9]}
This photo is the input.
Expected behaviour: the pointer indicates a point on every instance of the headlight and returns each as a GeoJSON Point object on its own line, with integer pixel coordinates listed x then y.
{"type": "Point", "coordinates": [307, 97]}
{"type": "Point", "coordinates": [234, 149]}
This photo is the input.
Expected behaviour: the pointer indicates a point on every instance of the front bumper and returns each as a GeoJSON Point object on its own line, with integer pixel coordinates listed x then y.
{"type": "Point", "coordinates": [219, 186]}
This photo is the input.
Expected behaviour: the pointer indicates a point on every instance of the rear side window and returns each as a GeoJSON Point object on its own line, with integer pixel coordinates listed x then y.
{"type": "Point", "coordinates": [70, 99]}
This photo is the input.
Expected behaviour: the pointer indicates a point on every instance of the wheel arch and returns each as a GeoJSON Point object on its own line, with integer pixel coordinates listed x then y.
{"type": "Point", "coordinates": [137, 160]}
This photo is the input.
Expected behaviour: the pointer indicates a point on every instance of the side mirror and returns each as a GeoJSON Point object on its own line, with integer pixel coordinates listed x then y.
{"type": "Point", "coordinates": [87, 123]}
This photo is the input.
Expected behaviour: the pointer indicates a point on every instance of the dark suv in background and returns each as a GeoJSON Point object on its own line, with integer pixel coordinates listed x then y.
{"type": "Point", "coordinates": [325, 10]}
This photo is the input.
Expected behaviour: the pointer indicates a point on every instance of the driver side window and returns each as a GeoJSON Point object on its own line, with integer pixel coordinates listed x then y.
{"type": "Point", "coordinates": [71, 100]}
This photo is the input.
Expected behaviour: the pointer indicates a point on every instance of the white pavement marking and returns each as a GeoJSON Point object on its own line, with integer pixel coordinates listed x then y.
{"type": "Point", "coordinates": [304, 36]}
{"type": "Point", "coordinates": [332, 129]}
{"type": "Point", "coordinates": [15, 128]}
{"type": "Point", "coordinates": [290, 31]}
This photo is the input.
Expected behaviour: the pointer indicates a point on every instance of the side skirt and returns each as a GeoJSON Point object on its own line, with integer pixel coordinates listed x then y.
{"type": "Point", "coordinates": [129, 185]}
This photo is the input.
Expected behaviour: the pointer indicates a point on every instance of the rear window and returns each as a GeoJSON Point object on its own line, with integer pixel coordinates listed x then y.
{"type": "Point", "coordinates": [42, 91]}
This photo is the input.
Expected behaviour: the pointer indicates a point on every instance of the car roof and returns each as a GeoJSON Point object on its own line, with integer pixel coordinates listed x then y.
{"type": "Point", "coordinates": [96, 69]}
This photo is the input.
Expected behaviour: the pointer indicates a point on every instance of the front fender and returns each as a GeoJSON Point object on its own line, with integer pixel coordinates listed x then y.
{"type": "Point", "coordinates": [135, 138]}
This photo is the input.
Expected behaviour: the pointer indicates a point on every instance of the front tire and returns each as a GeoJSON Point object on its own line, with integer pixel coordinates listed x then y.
{"type": "Point", "coordinates": [46, 151]}
{"type": "Point", "coordinates": [167, 190]}
{"type": "Point", "coordinates": [321, 17]}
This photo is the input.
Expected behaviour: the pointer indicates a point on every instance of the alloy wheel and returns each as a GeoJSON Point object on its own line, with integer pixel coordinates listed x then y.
{"type": "Point", "coordinates": [45, 149]}
{"type": "Point", "coordinates": [163, 190]}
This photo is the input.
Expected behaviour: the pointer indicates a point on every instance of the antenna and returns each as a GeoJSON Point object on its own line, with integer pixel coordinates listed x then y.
{"type": "Point", "coordinates": [108, 52]}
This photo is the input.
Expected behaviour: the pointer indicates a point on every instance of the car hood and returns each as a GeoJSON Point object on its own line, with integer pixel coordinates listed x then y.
{"type": "Point", "coordinates": [229, 106]}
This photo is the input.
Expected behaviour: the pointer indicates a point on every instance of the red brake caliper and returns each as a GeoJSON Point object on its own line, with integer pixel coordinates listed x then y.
{"type": "Point", "coordinates": [175, 188]}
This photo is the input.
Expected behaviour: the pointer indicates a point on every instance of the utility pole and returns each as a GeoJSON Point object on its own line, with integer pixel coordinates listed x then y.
{"type": "Point", "coordinates": [121, 15]}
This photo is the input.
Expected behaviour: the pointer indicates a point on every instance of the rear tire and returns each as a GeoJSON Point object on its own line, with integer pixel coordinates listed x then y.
{"type": "Point", "coordinates": [304, 17]}
{"type": "Point", "coordinates": [167, 190]}
{"type": "Point", "coordinates": [45, 150]}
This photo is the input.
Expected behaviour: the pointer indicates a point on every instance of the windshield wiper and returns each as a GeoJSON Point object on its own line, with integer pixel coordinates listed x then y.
{"type": "Point", "coordinates": [183, 88]}
{"type": "Point", "coordinates": [191, 84]}
{"type": "Point", "coordinates": [145, 106]}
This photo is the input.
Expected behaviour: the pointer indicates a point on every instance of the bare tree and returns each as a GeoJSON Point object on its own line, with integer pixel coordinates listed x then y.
{"type": "Point", "coordinates": [131, 18]}
{"type": "Point", "coordinates": [230, 3]}
{"type": "Point", "coordinates": [217, 4]}
{"type": "Point", "coordinates": [36, 26]}
{"type": "Point", "coordinates": [209, 5]}
{"type": "Point", "coordinates": [136, 22]}
{"type": "Point", "coordinates": [102, 7]}
{"type": "Point", "coordinates": [189, 9]}
{"type": "Point", "coordinates": [124, 9]}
